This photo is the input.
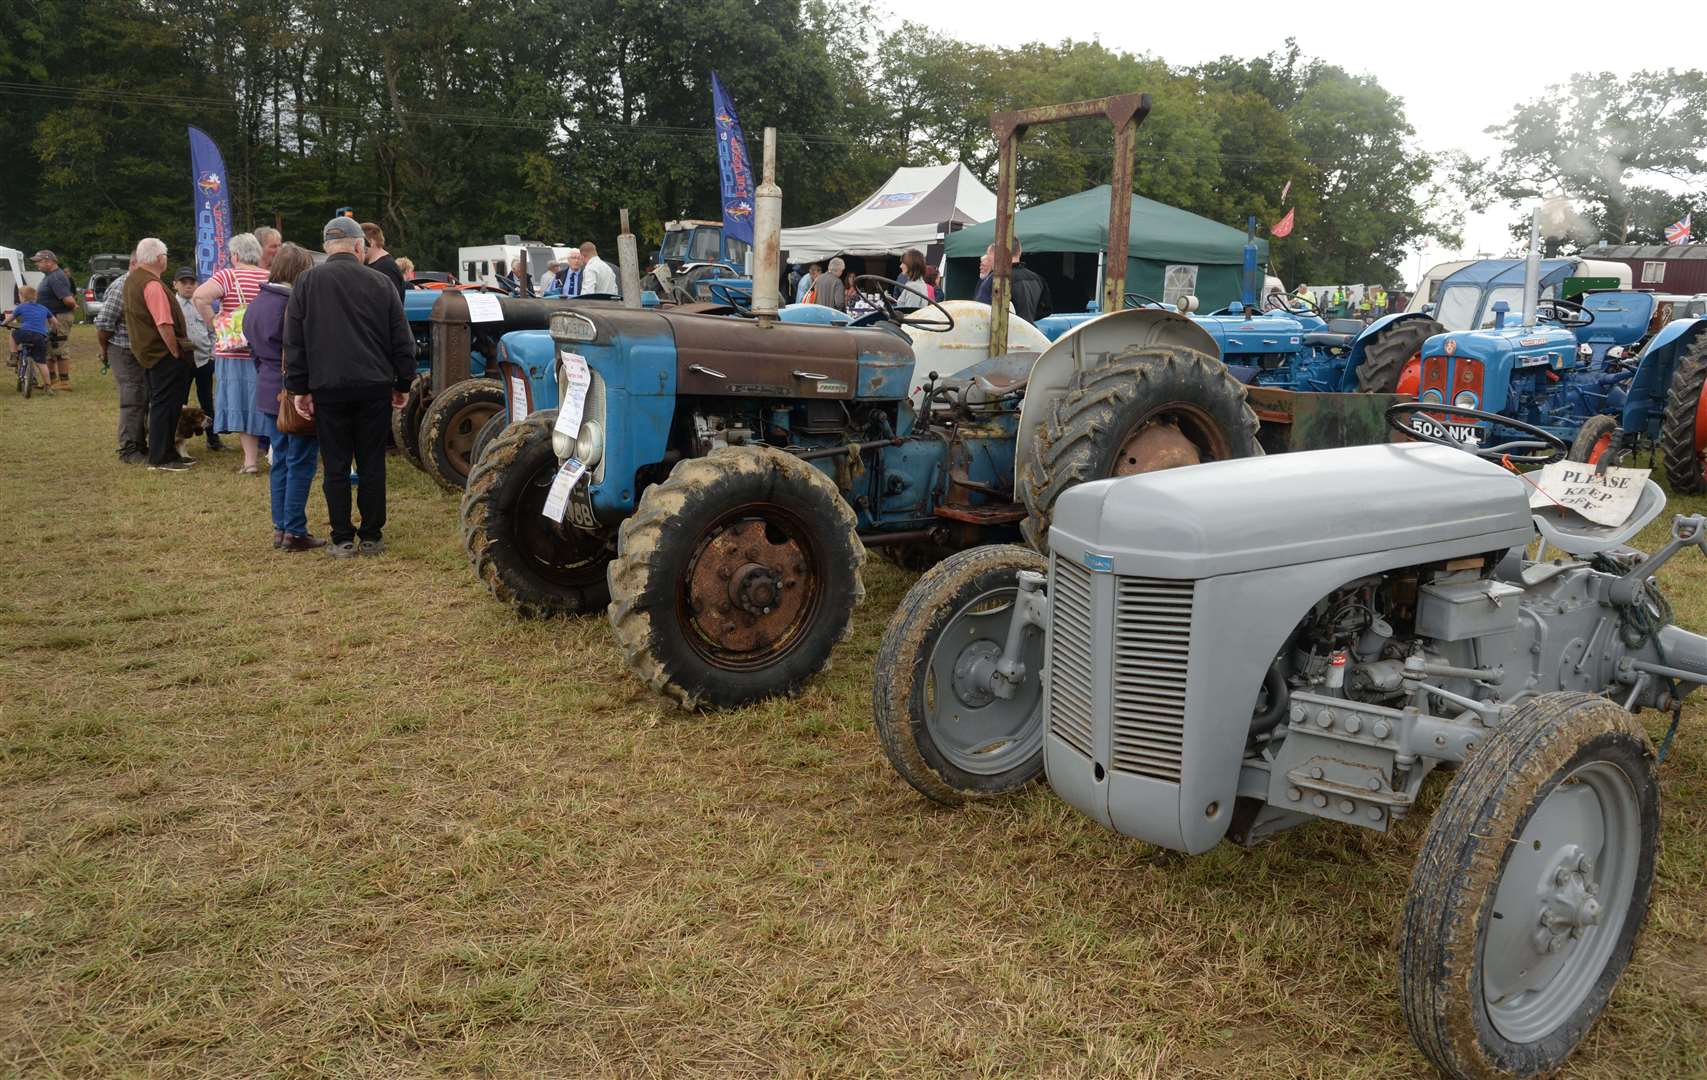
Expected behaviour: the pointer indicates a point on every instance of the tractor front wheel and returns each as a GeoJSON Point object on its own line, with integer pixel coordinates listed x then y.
{"type": "Point", "coordinates": [538, 566]}
{"type": "Point", "coordinates": [735, 578]}
{"type": "Point", "coordinates": [1530, 889]}
{"type": "Point", "coordinates": [490, 430]}
{"type": "Point", "coordinates": [406, 422]}
{"type": "Point", "coordinates": [449, 426]}
{"type": "Point", "coordinates": [1593, 439]}
{"type": "Point", "coordinates": [1683, 428]}
{"type": "Point", "coordinates": [1389, 351]}
{"type": "Point", "coordinates": [1151, 407]}
{"type": "Point", "coordinates": [939, 723]}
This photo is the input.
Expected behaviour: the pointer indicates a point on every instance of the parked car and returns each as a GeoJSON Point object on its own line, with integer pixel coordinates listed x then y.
{"type": "Point", "coordinates": [103, 271]}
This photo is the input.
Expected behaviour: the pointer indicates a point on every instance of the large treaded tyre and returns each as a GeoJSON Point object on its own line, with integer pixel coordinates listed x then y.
{"type": "Point", "coordinates": [1386, 355]}
{"type": "Point", "coordinates": [449, 426]}
{"type": "Point", "coordinates": [490, 430]}
{"type": "Point", "coordinates": [534, 565]}
{"type": "Point", "coordinates": [735, 578]}
{"type": "Point", "coordinates": [1679, 440]}
{"type": "Point", "coordinates": [1476, 938]}
{"type": "Point", "coordinates": [1593, 439]}
{"type": "Point", "coordinates": [1115, 420]}
{"type": "Point", "coordinates": [406, 422]}
{"type": "Point", "coordinates": [957, 614]}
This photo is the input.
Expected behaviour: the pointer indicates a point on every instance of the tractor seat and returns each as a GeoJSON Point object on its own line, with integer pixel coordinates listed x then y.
{"type": "Point", "coordinates": [1577, 536]}
{"type": "Point", "coordinates": [1323, 339]}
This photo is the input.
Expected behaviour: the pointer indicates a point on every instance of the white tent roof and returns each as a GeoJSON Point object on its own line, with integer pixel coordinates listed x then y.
{"type": "Point", "coordinates": [908, 211]}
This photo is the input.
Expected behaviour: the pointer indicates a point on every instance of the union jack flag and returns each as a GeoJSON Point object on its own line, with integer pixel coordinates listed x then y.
{"type": "Point", "coordinates": [1678, 231]}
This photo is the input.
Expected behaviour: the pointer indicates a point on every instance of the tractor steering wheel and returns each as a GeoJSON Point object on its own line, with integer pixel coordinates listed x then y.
{"type": "Point", "coordinates": [1544, 449]}
{"type": "Point", "coordinates": [1278, 301]}
{"type": "Point", "coordinates": [730, 296]}
{"type": "Point", "coordinates": [894, 314]}
{"type": "Point", "coordinates": [1138, 300]}
{"type": "Point", "coordinates": [1567, 313]}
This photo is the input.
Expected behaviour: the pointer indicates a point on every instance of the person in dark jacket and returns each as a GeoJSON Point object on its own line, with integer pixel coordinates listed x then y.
{"type": "Point", "coordinates": [348, 359]}
{"type": "Point", "coordinates": [294, 456]}
{"type": "Point", "coordinates": [381, 259]}
{"type": "Point", "coordinates": [1030, 293]}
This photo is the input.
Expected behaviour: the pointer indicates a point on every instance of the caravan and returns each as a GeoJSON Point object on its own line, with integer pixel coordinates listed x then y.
{"type": "Point", "coordinates": [485, 265]}
{"type": "Point", "coordinates": [15, 273]}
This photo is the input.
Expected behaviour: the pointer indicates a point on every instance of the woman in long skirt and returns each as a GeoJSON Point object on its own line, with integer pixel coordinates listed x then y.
{"type": "Point", "coordinates": [232, 288]}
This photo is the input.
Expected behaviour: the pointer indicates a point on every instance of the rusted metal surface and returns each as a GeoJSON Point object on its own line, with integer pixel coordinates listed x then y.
{"type": "Point", "coordinates": [1160, 445]}
{"type": "Point", "coordinates": [987, 514]}
{"type": "Point", "coordinates": [628, 263]}
{"type": "Point", "coordinates": [738, 357]}
{"type": "Point", "coordinates": [460, 430]}
{"type": "Point", "coordinates": [1125, 112]}
{"type": "Point", "coordinates": [750, 589]}
{"type": "Point", "coordinates": [454, 336]}
{"type": "Point", "coordinates": [767, 236]}
{"type": "Point", "coordinates": [1292, 421]}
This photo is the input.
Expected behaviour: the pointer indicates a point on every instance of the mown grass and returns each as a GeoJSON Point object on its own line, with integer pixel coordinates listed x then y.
{"type": "Point", "coordinates": [265, 815]}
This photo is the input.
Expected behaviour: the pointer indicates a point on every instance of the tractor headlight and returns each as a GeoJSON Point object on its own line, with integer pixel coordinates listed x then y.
{"type": "Point", "coordinates": [1465, 399]}
{"type": "Point", "coordinates": [1433, 396]}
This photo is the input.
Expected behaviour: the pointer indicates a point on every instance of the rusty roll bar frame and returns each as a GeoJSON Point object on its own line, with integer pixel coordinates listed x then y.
{"type": "Point", "coordinates": [1125, 112]}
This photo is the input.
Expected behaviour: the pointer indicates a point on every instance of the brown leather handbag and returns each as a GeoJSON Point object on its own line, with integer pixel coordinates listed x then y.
{"type": "Point", "coordinates": [290, 421]}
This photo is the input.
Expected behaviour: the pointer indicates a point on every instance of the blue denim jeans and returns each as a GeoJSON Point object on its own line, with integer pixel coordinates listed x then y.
{"type": "Point", "coordinates": [295, 458]}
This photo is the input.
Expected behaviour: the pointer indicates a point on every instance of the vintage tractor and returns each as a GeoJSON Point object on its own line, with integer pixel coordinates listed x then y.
{"type": "Point", "coordinates": [729, 473]}
{"type": "Point", "coordinates": [1664, 407]}
{"type": "Point", "coordinates": [1222, 653]}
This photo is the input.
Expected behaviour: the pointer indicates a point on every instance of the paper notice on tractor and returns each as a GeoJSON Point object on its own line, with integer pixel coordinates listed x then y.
{"type": "Point", "coordinates": [576, 379]}
{"type": "Point", "coordinates": [518, 399]}
{"type": "Point", "coordinates": [557, 499]}
{"type": "Point", "coordinates": [1607, 498]}
{"type": "Point", "coordinates": [483, 307]}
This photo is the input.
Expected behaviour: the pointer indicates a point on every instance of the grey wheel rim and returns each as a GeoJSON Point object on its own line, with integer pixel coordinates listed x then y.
{"type": "Point", "coordinates": [974, 730]}
{"type": "Point", "coordinates": [1561, 902]}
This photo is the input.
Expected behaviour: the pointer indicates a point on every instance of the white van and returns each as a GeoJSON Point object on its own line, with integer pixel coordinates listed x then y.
{"type": "Point", "coordinates": [15, 273]}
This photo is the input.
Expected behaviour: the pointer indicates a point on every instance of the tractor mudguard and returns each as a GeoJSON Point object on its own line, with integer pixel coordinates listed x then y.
{"type": "Point", "coordinates": [1105, 334]}
{"type": "Point", "coordinates": [1647, 394]}
{"type": "Point", "coordinates": [1348, 381]}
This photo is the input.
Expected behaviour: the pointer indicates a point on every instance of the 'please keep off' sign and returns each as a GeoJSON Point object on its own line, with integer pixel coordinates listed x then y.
{"type": "Point", "coordinates": [1604, 498]}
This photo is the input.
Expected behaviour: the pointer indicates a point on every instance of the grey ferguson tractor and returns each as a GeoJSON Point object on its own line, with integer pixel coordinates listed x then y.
{"type": "Point", "coordinates": [1221, 652]}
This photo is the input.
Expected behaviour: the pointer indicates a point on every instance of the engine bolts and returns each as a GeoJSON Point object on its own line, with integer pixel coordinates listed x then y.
{"type": "Point", "coordinates": [1325, 718]}
{"type": "Point", "coordinates": [1374, 783]}
{"type": "Point", "coordinates": [1316, 773]}
{"type": "Point", "coordinates": [1298, 714]}
{"type": "Point", "coordinates": [1374, 813]}
{"type": "Point", "coordinates": [1347, 806]}
{"type": "Point", "coordinates": [1353, 724]}
{"type": "Point", "coordinates": [1294, 794]}
{"type": "Point", "coordinates": [1320, 801]}
{"type": "Point", "coordinates": [1382, 729]}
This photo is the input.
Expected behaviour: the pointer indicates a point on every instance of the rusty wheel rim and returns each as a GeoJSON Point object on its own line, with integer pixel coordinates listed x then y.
{"type": "Point", "coordinates": [460, 431]}
{"type": "Point", "coordinates": [751, 589]}
{"type": "Point", "coordinates": [1167, 437]}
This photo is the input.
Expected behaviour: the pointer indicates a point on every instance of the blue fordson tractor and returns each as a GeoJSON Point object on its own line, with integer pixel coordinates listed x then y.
{"type": "Point", "coordinates": [1664, 407]}
{"type": "Point", "coordinates": [729, 472]}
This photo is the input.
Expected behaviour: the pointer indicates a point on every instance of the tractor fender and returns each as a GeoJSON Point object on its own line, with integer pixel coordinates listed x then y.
{"type": "Point", "coordinates": [1370, 332]}
{"type": "Point", "coordinates": [1091, 343]}
{"type": "Point", "coordinates": [966, 345]}
{"type": "Point", "coordinates": [1652, 381]}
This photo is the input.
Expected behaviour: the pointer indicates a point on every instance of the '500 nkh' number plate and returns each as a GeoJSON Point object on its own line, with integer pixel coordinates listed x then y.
{"type": "Point", "coordinates": [1464, 433]}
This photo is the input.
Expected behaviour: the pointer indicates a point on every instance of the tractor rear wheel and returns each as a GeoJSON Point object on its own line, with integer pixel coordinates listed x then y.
{"type": "Point", "coordinates": [1387, 353]}
{"type": "Point", "coordinates": [939, 724]}
{"type": "Point", "coordinates": [735, 578]}
{"type": "Point", "coordinates": [490, 430]}
{"type": "Point", "coordinates": [1593, 439]}
{"type": "Point", "coordinates": [1683, 428]}
{"type": "Point", "coordinates": [1530, 889]}
{"type": "Point", "coordinates": [406, 422]}
{"type": "Point", "coordinates": [1151, 407]}
{"type": "Point", "coordinates": [537, 566]}
{"type": "Point", "coordinates": [449, 426]}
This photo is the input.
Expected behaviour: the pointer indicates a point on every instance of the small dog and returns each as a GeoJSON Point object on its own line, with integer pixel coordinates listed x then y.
{"type": "Point", "coordinates": [191, 422]}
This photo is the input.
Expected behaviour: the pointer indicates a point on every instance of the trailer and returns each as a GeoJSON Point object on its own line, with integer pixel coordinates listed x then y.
{"type": "Point", "coordinates": [485, 265]}
{"type": "Point", "coordinates": [1670, 268]}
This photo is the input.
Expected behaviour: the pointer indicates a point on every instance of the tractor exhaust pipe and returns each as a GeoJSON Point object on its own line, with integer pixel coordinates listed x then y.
{"type": "Point", "coordinates": [628, 264]}
{"type": "Point", "coordinates": [1532, 270]}
{"type": "Point", "coordinates": [767, 237]}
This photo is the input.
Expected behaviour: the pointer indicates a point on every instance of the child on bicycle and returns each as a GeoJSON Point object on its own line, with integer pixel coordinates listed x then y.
{"type": "Point", "coordinates": [31, 323]}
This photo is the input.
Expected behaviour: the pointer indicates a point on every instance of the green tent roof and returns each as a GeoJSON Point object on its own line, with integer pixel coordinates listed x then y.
{"type": "Point", "coordinates": [1080, 223]}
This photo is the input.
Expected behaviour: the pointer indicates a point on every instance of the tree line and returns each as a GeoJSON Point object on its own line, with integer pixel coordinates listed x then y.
{"type": "Point", "coordinates": [453, 123]}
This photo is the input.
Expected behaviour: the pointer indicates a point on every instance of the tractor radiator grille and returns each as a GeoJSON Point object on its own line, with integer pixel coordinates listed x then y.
{"type": "Point", "coordinates": [1152, 639]}
{"type": "Point", "coordinates": [1070, 656]}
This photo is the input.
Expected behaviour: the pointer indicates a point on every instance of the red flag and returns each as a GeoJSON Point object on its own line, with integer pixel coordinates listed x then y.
{"type": "Point", "coordinates": [1283, 227]}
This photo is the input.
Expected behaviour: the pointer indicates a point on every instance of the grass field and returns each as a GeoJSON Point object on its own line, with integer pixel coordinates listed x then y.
{"type": "Point", "coordinates": [268, 815]}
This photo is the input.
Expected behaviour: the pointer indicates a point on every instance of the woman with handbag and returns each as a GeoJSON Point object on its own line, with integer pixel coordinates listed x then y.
{"type": "Point", "coordinates": [295, 448]}
{"type": "Point", "coordinates": [233, 364]}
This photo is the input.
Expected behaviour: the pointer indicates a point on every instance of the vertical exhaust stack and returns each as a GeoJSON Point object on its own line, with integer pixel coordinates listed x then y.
{"type": "Point", "coordinates": [628, 264]}
{"type": "Point", "coordinates": [1532, 270]}
{"type": "Point", "coordinates": [767, 236]}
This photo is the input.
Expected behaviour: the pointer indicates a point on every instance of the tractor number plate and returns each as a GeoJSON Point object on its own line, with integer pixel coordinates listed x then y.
{"type": "Point", "coordinates": [581, 506]}
{"type": "Point", "coordinates": [1464, 433]}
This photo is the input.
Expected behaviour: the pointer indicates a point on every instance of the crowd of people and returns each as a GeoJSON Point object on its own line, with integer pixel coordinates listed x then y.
{"type": "Point", "coordinates": [303, 363]}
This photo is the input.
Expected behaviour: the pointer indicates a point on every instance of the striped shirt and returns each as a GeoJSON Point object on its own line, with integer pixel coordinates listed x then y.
{"type": "Point", "coordinates": [111, 318]}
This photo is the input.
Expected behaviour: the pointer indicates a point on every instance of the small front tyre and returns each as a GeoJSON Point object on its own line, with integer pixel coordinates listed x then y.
{"type": "Point", "coordinates": [735, 578]}
{"type": "Point", "coordinates": [940, 726]}
{"type": "Point", "coordinates": [1530, 889]}
{"type": "Point", "coordinates": [449, 426]}
{"type": "Point", "coordinates": [1593, 439]}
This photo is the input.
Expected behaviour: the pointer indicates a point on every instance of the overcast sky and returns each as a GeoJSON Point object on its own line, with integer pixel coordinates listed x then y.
{"type": "Point", "coordinates": [1458, 67]}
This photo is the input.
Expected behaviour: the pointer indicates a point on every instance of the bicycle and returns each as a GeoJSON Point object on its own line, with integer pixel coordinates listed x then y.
{"type": "Point", "coordinates": [27, 360]}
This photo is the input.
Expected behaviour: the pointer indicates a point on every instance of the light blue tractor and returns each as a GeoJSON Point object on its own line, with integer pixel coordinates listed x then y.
{"type": "Point", "coordinates": [1664, 407]}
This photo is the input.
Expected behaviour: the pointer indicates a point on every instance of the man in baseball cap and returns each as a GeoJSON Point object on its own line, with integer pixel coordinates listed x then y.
{"type": "Point", "coordinates": [55, 293]}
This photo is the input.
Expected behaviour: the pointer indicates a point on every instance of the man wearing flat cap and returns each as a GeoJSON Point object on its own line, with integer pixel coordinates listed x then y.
{"type": "Point", "coordinates": [348, 361]}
